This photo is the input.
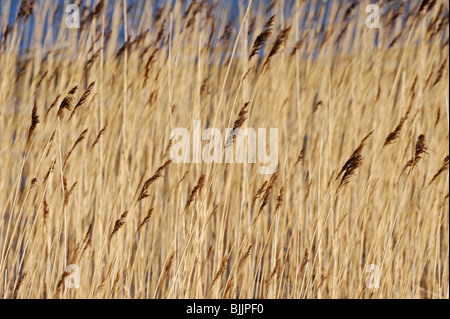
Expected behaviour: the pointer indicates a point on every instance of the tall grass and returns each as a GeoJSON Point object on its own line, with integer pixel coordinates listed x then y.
{"type": "Point", "coordinates": [362, 179]}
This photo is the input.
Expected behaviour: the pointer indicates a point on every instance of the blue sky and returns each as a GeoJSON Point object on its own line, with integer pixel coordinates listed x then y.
{"type": "Point", "coordinates": [233, 5]}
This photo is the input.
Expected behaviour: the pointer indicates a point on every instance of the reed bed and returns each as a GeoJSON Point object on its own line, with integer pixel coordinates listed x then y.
{"type": "Point", "coordinates": [86, 177]}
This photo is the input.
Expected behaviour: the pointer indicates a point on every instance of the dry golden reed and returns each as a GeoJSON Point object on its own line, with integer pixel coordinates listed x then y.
{"type": "Point", "coordinates": [267, 191]}
{"type": "Point", "coordinates": [441, 170]}
{"type": "Point", "coordinates": [25, 9]}
{"type": "Point", "coordinates": [352, 164]}
{"type": "Point", "coordinates": [145, 221]}
{"type": "Point", "coordinates": [152, 179]}
{"type": "Point", "coordinates": [195, 191]}
{"type": "Point", "coordinates": [83, 99]}
{"type": "Point", "coordinates": [279, 42]}
{"type": "Point", "coordinates": [89, 179]}
{"type": "Point", "coordinates": [118, 225]}
{"type": "Point", "coordinates": [78, 141]}
{"type": "Point", "coordinates": [98, 136]}
{"type": "Point", "coordinates": [67, 102]}
{"type": "Point", "coordinates": [220, 271]}
{"type": "Point", "coordinates": [393, 136]}
{"type": "Point", "coordinates": [262, 37]}
{"type": "Point", "coordinates": [34, 123]}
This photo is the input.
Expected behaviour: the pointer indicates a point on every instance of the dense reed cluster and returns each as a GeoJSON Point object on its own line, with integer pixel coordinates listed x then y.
{"type": "Point", "coordinates": [363, 131]}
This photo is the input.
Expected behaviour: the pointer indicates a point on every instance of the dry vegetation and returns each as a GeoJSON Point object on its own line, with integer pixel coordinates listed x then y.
{"type": "Point", "coordinates": [362, 178]}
